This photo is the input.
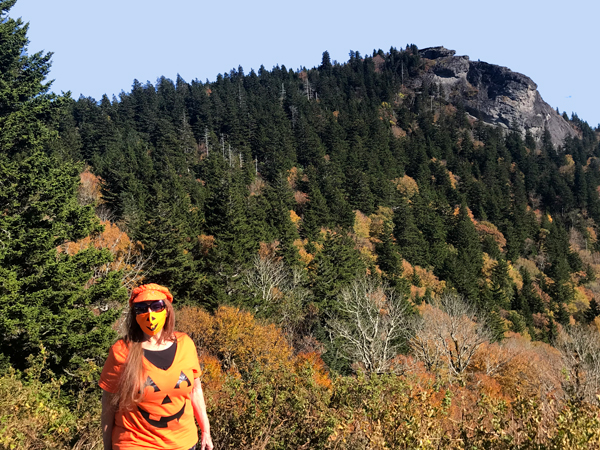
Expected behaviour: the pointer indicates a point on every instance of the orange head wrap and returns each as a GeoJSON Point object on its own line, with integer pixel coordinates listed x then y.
{"type": "Point", "coordinates": [151, 291]}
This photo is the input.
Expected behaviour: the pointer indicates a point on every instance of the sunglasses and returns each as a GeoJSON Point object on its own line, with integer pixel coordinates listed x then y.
{"type": "Point", "coordinates": [142, 307]}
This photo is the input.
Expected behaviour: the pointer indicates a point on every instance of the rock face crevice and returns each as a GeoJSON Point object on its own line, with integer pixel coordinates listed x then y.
{"type": "Point", "coordinates": [492, 93]}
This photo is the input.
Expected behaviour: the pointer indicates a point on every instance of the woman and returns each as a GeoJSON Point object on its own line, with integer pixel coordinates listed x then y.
{"type": "Point", "coordinates": [150, 381]}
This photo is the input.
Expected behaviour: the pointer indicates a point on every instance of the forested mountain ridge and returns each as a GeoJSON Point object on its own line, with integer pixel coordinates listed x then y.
{"type": "Point", "coordinates": [201, 173]}
{"type": "Point", "coordinates": [364, 262]}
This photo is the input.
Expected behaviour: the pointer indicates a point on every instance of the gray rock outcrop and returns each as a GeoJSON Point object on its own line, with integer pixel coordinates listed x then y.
{"type": "Point", "coordinates": [494, 94]}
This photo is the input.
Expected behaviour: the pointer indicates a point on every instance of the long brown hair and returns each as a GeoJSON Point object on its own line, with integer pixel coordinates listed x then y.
{"type": "Point", "coordinates": [132, 381]}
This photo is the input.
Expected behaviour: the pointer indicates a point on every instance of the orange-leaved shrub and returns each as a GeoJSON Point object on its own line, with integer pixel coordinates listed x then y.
{"type": "Point", "coordinates": [258, 393]}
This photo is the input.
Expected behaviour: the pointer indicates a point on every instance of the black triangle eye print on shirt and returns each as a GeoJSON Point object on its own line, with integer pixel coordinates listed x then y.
{"type": "Point", "coordinates": [182, 377]}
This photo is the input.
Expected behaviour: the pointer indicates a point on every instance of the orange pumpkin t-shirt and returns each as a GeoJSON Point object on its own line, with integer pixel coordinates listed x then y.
{"type": "Point", "coordinates": [164, 419]}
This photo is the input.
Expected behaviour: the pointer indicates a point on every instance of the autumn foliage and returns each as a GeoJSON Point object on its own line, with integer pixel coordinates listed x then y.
{"type": "Point", "coordinates": [127, 255]}
{"type": "Point", "coordinates": [262, 395]}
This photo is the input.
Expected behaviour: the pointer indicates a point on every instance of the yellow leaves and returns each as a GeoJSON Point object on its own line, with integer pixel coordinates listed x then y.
{"type": "Point", "coordinates": [569, 168]}
{"type": "Point", "coordinates": [596, 323]}
{"type": "Point", "coordinates": [35, 415]}
{"type": "Point", "coordinates": [453, 179]}
{"type": "Point", "coordinates": [515, 276]}
{"type": "Point", "coordinates": [362, 231]}
{"type": "Point", "coordinates": [305, 257]}
{"type": "Point", "coordinates": [257, 186]}
{"type": "Point", "coordinates": [407, 186]}
{"type": "Point", "coordinates": [485, 228]}
{"type": "Point", "coordinates": [236, 338]}
{"type": "Point", "coordinates": [383, 216]}
{"type": "Point", "coordinates": [206, 242]}
{"type": "Point", "coordinates": [313, 362]}
{"type": "Point", "coordinates": [428, 280]}
{"type": "Point", "coordinates": [112, 238]}
{"type": "Point", "coordinates": [362, 224]}
{"type": "Point", "coordinates": [592, 235]}
{"type": "Point", "coordinates": [268, 249]}
{"type": "Point", "coordinates": [295, 218]}
{"type": "Point", "coordinates": [293, 176]}
{"type": "Point", "coordinates": [488, 265]}
{"type": "Point", "coordinates": [469, 212]}
{"type": "Point", "coordinates": [89, 188]}
{"type": "Point", "coordinates": [127, 254]}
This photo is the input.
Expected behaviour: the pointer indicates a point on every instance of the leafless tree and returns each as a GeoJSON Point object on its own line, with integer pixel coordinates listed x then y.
{"type": "Point", "coordinates": [267, 278]}
{"type": "Point", "coordinates": [104, 213]}
{"type": "Point", "coordinates": [280, 292]}
{"type": "Point", "coordinates": [580, 350]}
{"type": "Point", "coordinates": [450, 333]}
{"type": "Point", "coordinates": [424, 344]}
{"type": "Point", "coordinates": [371, 323]}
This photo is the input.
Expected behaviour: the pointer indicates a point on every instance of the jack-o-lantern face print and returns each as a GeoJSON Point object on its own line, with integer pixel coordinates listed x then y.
{"type": "Point", "coordinates": [175, 403]}
{"type": "Point", "coordinates": [152, 322]}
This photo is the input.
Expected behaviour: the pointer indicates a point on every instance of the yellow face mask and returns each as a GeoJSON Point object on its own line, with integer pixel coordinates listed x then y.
{"type": "Point", "coordinates": [152, 322]}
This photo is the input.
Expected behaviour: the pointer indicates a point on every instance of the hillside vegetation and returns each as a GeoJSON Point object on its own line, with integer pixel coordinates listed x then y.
{"type": "Point", "coordinates": [361, 264]}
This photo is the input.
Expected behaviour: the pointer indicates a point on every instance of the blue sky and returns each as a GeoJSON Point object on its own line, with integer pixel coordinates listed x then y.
{"type": "Point", "coordinates": [102, 46]}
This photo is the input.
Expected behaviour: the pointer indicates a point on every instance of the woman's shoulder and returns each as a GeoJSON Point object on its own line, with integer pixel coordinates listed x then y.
{"type": "Point", "coordinates": [183, 338]}
{"type": "Point", "coordinates": [120, 349]}
{"type": "Point", "coordinates": [185, 342]}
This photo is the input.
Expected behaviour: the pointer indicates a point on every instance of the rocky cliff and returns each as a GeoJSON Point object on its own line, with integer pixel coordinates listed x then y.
{"type": "Point", "coordinates": [493, 94]}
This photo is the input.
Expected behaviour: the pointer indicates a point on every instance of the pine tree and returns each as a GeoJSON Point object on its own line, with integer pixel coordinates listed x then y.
{"type": "Point", "coordinates": [502, 286]}
{"type": "Point", "coordinates": [47, 297]}
{"type": "Point", "coordinates": [281, 202]}
{"type": "Point", "coordinates": [562, 316]}
{"type": "Point", "coordinates": [592, 312]}
{"type": "Point", "coordinates": [557, 245]}
{"type": "Point", "coordinates": [334, 267]}
{"type": "Point", "coordinates": [44, 299]}
{"type": "Point", "coordinates": [466, 265]}
{"type": "Point", "coordinates": [496, 325]}
{"type": "Point", "coordinates": [410, 240]}
{"type": "Point", "coordinates": [388, 257]}
{"type": "Point", "coordinates": [27, 109]}
{"type": "Point", "coordinates": [316, 213]}
{"type": "Point", "coordinates": [234, 243]}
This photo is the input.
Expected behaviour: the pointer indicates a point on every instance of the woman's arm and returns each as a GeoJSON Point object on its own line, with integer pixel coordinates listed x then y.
{"type": "Point", "coordinates": [107, 419]}
{"type": "Point", "coordinates": [201, 416]}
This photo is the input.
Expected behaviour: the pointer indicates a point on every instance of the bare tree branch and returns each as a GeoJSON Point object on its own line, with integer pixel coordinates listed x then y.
{"type": "Point", "coordinates": [450, 333]}
{"type": "Point", "coordinates": [580, 350]}
{"type": "Point", "coordinates": [371, 323]}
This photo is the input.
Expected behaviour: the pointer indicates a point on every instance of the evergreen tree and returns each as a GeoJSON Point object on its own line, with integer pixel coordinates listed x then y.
{"type": "Point", "coordinates": [502, 286]}
{"type": "Point", "coordinates": [316, 213]}
{"type": "Point", "coordinates": [27, 109]}
{"type": "Point", "coordinates": [47, 297]}
{"type": "Point", "coordinates": [592, 312]}
{"type": "Point", "coordinates": [281, 202]}
{"type": "Point", "coordinates": [388, 257]}
{"type": "Point", "coordinates": [467, 263]}
{"type": "Point", "coordinates": [562, 316]}
{"type": "Point", "coordinates": [234, 243]}
{"type": "Point", "coordinates": [559, 269]}
{"type": "Point", "coordinates": [334, 267]}
{"type": "Point", "coordinates": [44, 299]}
{"type": "Point", "coordinates": [410, 240]}
{"type": "Point", "coordinates": [496, 325]}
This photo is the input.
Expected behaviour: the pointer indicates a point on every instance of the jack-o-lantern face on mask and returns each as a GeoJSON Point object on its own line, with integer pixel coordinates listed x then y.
{"type": "Point", "coordinates": [173, 404]}
{"type": "Point", "coordinates": [152, 322]}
